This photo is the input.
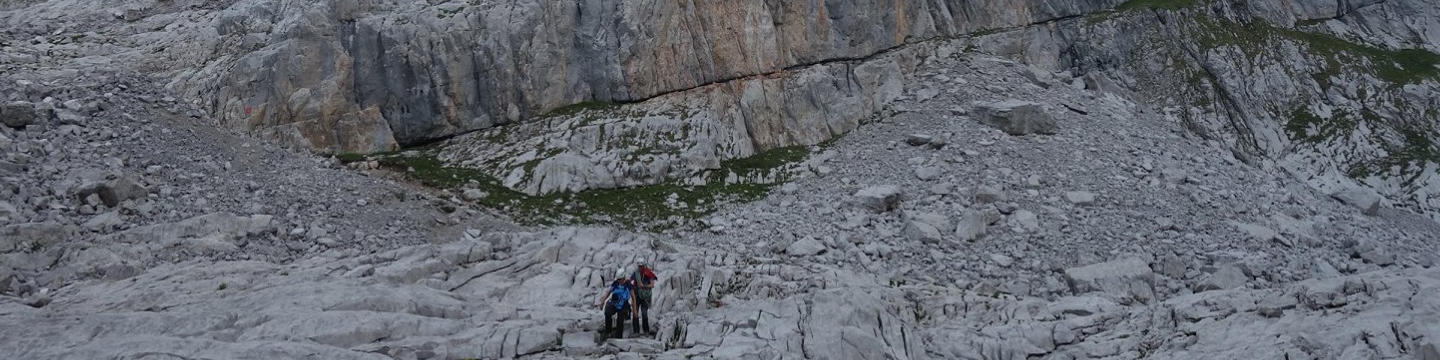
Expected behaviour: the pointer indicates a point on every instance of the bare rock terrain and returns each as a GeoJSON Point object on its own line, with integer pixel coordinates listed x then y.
{"type": "Point", "coordinates": [1053, 179]}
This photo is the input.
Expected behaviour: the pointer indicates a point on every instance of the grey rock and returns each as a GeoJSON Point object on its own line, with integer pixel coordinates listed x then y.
{"type": "Point", "coordinates": [1256, 232]}
{"type": "Point", "coordinates": [474, 194]}
{"type": "Point", "coordinates": [113, 192]}
{"type": "Point", "coordinates": [805, 247]}
{"type": "Point", "coordinates": [972, 226]}
{"type": "Point", "coordinates": [1016, 117]}
{"type": "Point", "coordinates": [104, 221]}
{"type": "Point", "coordinates": [1322, 269]}
{"type": "Point", "coordinates": [1080, 197]}
{"type": "Point", "coordinates": [927, 173]}
{"type": "Point", "coordinates": [880, 198]}
{"type": "Point", "coordinates": [942, 189]}
{"type": "Point", "coordinates": [1033, 182]}
{"type": "Point", "coordinates": [918, 139]}
{"type": "Point", "coordinates": [1128, 280]}
{"type": "Point", "coordinates": [39, 235]}
{"type": "Point", "coordinates": [1364, 199]}
{"type": "Point", "coordinates": [1429, 351]}
{"type": "Point", "coordinates": [1026, 220]}
{"type": "Point", "coordinates": [1228, 277]}
{"type": "Point", "coordinates": [939, 143]}
{"type": "Point", "coordinates": [8, 212]}
{"type": "Point", "coordinates": [989, 194]}
{"type": "Point", "coordinates": [1002, 260]}
{"type": "Point", "coordinates": [916, 230]}
{"type": "Point", "coordinates": [7, 280]}
{"type": "Point", "coordinates": [19, 114]}
{"type": "Point", "coordinates": [1275, 305]}
{"type": "Point", "coordinates": [936, 221]}
{"type": "Point", "coordinates": [580, 343]}
{"type": "Point", "coordinates": [468, 93]}
{"type": "Point", "coordinates": [131, 15]}
{"type": "Point", "coordinates": [1171, 266]}
{"type": "Point", "coordinates": [1376, 256]}
{"type": "Point", "coordinates": [642, 346]}
{"type": "Point", "coordinates": [1174, 175]}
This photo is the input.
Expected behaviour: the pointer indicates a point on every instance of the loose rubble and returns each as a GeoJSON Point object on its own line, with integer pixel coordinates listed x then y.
{"type": "Point", "coordinates": [986, 209]}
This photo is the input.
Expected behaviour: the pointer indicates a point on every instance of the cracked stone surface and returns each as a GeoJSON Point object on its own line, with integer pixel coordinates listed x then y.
{"type": "Point", "coordinates": [985, 180]}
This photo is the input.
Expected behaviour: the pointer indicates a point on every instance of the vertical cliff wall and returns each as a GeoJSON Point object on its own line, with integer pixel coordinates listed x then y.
{"type": "Point", "coordinates": [361, 75]}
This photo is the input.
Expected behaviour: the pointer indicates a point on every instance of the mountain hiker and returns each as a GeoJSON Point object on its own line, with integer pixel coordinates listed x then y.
{"type": "Point", "coordinates": [643, 279]}
{"type": "Point", "coordinates": [617, 303]}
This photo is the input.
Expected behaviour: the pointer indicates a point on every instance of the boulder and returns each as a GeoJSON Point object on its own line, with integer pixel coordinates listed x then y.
{"type": "Point", "coordinates": [8, 212]}
{"type": "Point", "coordinates": [1368, 201]}
{"type": "Point", "coordinates": [103, 222]}
{"type": "Point", "coordinates": [1080, 197]}
{"type": "Point", "coordinates": [989, 194]}
{"type": "Point", "coordinates": [474, 194]}
{"type": "Point", "coordinates": [940, 222]}
{"type": "Point", "coordinates": [918, 139]}
{"type": "Point", "coordinates": [1128, 280]}
{"type": "Point", "coordinates": [1429, 351]}
{"type": "Point", "coordinates": [1228, 277]}
{"type": "Point", "coordinates": [1002, 260]}
{"type": "Point", "coordinates": [32, 235]}
{"type": "Point", "coordinates": [805, 247]}
{"type": "Point", "coordinates": [971, 226]}
{"type": "Point", "coordinates": [113, 192]}
{"type": "Point", "coordinates": [579, 343]}
{"type": "Point", "coordinates": [942, 189]}
{"type": "Point", "coordinates": [1171, 266]}
{"type": "Point", "coordinates": [1016, 117]}
{"type": "Point", "coordinates": [927, 173]}
{"type": "Point", "coordinates": [922, 232]}
{"type": "Point", "coordinates": [1027, 220]}
{"type": "Point", "coordinates": [1256, 232]}
{"type": "Point", "coordinates": [19, 114]}
{"type": "Point", "coordinates": [879, 198]}
{"type": "Point", "coordinates": [641, 346]}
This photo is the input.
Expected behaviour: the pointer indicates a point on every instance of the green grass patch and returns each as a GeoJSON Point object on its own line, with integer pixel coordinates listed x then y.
{"type": "Point", "coordinates": [1256, 37]}
{"type": "Point", "coordinates": [347, 158]}
{"type": "Point", "coordinates": [577, 108]}
{"type": "Point", "coordinates": [1396, 66]}
{"type": "Point", "coordinates": [1157, 5]}
{"type": "Point", "coordinates": [1307, 127]}
{"type": "Point", "coordinates": [764, 161]}
{"type": "Point", "coordinates": [1406, 159]}
{"type": "Point", "coordinates": [643, 207]}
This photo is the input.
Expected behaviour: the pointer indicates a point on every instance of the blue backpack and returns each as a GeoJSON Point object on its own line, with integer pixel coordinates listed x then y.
{"type": "Point", "coordinates": [619, 296]}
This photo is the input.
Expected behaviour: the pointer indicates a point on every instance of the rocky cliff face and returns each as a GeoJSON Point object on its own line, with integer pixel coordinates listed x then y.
{"type": "Point", "coordinates": [364, 76]}
{"type": "Point", "coordinates": [1107, 186]}
{"type": "Point", "coordinates": [1340, 95]}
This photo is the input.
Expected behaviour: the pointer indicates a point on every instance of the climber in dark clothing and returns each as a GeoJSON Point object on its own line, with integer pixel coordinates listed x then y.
{"type": "Point", "coordinates": [617, 303]}
{"type": "Point", "coordinates": [643, 279]}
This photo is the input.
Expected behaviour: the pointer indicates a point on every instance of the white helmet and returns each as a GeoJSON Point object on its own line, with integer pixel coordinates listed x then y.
{"type": "Point", "coordinates": [620, 273]}
{"type": "Point", "coordinates": [641, 262]}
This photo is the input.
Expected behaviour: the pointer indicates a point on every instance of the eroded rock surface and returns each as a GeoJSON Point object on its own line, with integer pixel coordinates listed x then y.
{"type": "Point", "coordinates": [1244, 191]}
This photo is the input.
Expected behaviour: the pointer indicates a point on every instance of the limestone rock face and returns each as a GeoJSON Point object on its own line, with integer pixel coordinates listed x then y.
{"type": "Point", "coordinates": [367, 75]}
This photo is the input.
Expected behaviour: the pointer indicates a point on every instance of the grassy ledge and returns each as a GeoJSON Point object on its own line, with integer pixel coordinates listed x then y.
{"type": "Point", "coordinates": [1399, 67]}
{"type": "Point", "coordinates": [1157, 5]}
{"type": "Point", "coordinates": [653, 207]}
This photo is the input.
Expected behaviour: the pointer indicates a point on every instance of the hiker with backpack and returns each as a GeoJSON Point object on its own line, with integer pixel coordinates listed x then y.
{"type": "Point", "coordinates": [617, 303]}
{"type": "Point", "coordinates": [643, 280]}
